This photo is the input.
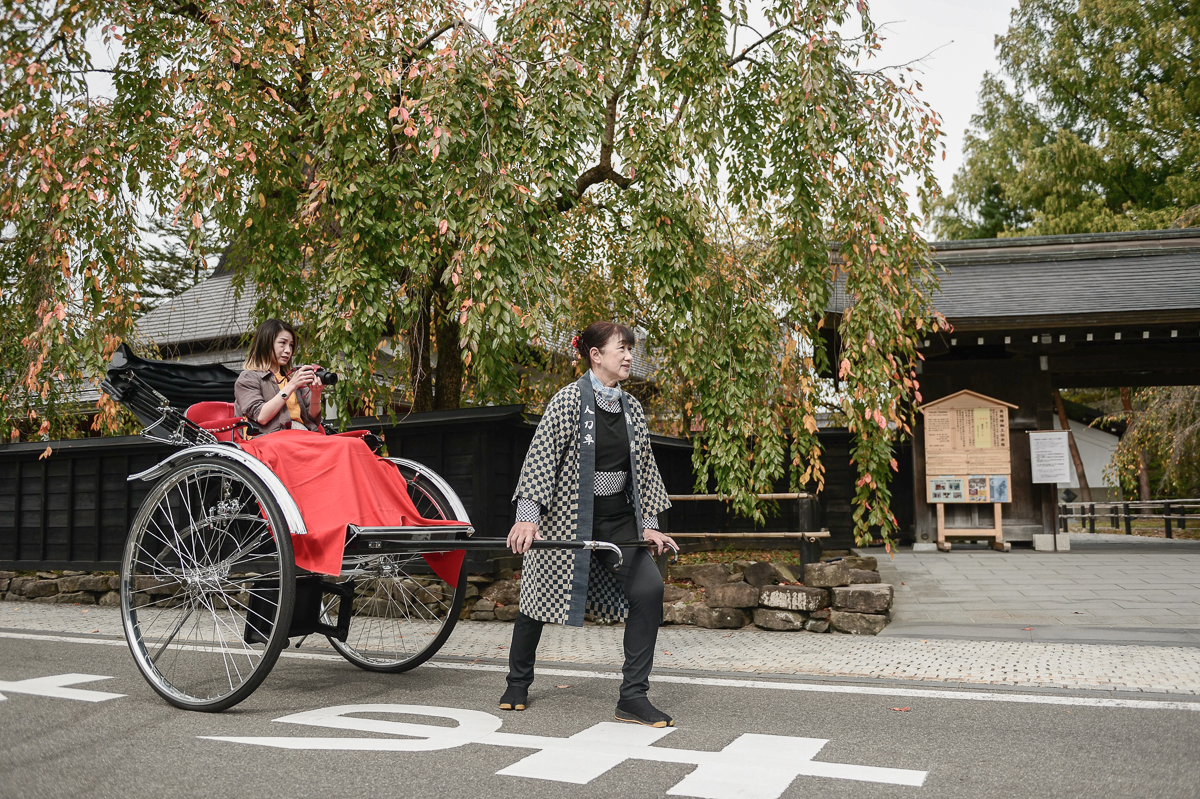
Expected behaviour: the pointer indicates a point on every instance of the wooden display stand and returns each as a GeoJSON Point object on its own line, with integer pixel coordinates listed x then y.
{"type": "Point", "coordinates": [996, 533]}
{"type": "Point", "coordinates": [967, 461]}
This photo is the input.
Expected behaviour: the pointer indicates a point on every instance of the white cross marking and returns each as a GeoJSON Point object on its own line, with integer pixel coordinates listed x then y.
{"type": "Point", "coordinates": [56, 687]}
{"type": "Point", "coordinates": [752, 767]}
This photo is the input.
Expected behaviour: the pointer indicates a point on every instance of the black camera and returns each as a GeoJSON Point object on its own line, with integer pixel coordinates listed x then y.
{"type": "Point", "coordinates": [326, 377]}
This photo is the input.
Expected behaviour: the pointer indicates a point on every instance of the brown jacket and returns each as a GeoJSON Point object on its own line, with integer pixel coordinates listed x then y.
{"type": "Point", "coordinates": [254, 388]}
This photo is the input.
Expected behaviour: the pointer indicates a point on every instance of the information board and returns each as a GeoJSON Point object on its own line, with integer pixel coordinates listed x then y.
{"type": "Point", "coordinates": [1050, 456]}
{"type": "Point", "coordinates": [967, 449]}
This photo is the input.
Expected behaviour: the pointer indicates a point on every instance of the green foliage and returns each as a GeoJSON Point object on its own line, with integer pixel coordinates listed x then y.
{"type": "Point", "coordinates": [1164, 428]}
{"type": "Point", "coordinates": [1097, 127]}
{"type": "Point", "coordinates": [428, 200]}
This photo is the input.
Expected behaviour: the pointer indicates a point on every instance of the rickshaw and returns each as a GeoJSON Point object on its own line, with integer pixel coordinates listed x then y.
{"type": "Point", "coordinates": [210, 589]}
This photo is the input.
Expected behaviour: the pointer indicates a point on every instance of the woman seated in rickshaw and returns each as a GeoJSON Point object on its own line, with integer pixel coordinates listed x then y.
{"type": "Point", "coordinates": [267, 394]}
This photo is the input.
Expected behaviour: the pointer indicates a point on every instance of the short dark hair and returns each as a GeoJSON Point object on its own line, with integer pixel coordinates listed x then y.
{"type": "Point", "coordinates": [261, 356]}
{"type": "Point", "coordinates": [598, 334]}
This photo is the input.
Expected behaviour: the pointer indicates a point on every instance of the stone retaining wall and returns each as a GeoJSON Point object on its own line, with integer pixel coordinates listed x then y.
{"type": "Point", "coordinates": [843, 595]}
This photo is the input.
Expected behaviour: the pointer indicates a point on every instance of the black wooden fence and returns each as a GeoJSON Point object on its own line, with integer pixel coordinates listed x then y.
{"type": "Point", "coordinates": [71, 510]}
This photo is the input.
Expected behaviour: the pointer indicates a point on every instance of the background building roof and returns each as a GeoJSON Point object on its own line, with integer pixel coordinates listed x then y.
{"type": "Point", "coordinates": [209, 311]}
{"type": "Point", "coordinates": [1093, 278]}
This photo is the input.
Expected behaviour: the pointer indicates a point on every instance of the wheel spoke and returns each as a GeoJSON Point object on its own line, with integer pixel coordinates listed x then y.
{"type": "Point", "coordinates": [194, 558]}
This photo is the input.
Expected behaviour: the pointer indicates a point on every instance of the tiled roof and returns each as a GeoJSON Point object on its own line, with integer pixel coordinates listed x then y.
{"type": "Point", "coordinates": [1063, 276]}
{"type": "Point", "coordinates": [209, 311]}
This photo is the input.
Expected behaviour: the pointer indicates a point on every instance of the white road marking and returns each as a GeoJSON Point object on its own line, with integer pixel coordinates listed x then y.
{"type": "Point", "coordinates": [56, 687]}
{"type": "Point", "coordinates": [1000, 695]}
{"type": "Point", "coordinates": [751, 767]}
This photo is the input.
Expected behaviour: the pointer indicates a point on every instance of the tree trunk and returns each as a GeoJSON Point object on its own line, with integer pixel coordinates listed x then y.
{"type": "Point", "coordinates": [1085, 491]}
{"type": "Point", "coordinates": [1143, 470]}
{"type": "Point", "coordinates": [448, 374]}
{"type": "Point", "coordinates": [419, 372]}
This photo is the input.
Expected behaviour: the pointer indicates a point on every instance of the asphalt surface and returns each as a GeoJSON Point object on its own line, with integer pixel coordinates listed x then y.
{"type": "Point", "coordinates": [980, 743]}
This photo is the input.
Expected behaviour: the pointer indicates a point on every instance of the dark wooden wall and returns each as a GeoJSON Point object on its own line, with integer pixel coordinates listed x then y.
{"type": "Point", "coordinates": [72, 510]}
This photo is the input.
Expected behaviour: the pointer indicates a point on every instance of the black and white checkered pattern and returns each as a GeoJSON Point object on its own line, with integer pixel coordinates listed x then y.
{"type": "Point", "coordinates": [550, 478]}
{"type": "Point", "coordinates": [609, 483]}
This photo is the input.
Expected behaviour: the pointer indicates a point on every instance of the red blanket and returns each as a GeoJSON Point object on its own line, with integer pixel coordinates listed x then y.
{"type": "Point", "coordinates": [337, 481]}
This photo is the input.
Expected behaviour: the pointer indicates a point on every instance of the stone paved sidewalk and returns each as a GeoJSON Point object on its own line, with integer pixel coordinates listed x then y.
{"type": "Point", "coordinates": [1106, 589]}
{"type": "Point", "coordinates": [1149, 669]}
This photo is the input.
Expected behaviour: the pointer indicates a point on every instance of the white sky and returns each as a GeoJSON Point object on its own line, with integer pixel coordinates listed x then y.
{"type": "Point", "coordinates": [963, 34]}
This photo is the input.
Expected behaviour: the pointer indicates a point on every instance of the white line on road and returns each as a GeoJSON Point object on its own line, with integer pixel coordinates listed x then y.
{"type": "Point", "coordinates": [724, 682]}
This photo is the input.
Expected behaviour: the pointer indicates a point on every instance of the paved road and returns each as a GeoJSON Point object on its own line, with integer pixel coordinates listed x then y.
{"type": "Point", "coordinates": [1107, 589]}
{"type": "Point", "coordinates": [744, 737]}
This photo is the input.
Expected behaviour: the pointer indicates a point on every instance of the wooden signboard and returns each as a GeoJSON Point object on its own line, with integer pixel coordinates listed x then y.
{"type": "Point", "coordinates": [967, 457]}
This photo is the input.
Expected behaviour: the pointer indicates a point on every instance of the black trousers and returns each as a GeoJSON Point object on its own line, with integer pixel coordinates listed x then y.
{"type": "Point", "coordinates": [643, 589]}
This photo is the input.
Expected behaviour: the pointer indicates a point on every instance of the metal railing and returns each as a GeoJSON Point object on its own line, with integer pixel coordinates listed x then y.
{"type": "Point", "coordinates": [1174, 513]}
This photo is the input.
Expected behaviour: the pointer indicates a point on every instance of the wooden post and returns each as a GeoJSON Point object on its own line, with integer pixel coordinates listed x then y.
{"type": "Point", "coordinates": [1167, 518]}
{"type": "Point", "coordinates": [1092, 519]}
{"type": "Point", "coordinates": [1085, 491]}
{"type": "Point", "coordinates": [1128, 521]}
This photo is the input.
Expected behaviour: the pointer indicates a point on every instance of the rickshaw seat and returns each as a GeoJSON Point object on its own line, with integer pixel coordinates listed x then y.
{"type": "Point", "coordinates": [217, 418]}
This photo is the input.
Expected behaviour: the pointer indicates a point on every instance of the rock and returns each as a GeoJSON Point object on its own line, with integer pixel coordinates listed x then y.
{"type": "Point", "coordinates": [857, 623]}
{"type": "Point", "coordinates": [867, 562]}
{"type": "Point", "coordinates": [47, 600]}
{"type": "Point", "coordinates": [483, 606]}
{"type": "Point", "coordinates": [826, 575]}
{"type": "Point", "coordinates": [721, 618]}
{"type": "Point", "coordinates": [151, 585]}
{"type": "Point", "coordinates": [11, 597]}
{"type": "Point", "coordinates": [682, 571]}
{"type": "Point", "coordinates": [471, 592]}
{"type": "Point", "coordinates": [759, 574]}
{"type": "Point", "coordinates": [675, 593]}
{"type": "Point", "coordinates": [736, 577]}
{"type": "Point", "coordinates": [503, 592]}
{"type": "Point", "coordinates": [731, 595]}
{"type": "Point", "coordinates": [40, 588]}
{"type": "Point", "coordinates": [822, 614]}
{"type": "Point", "coordinates": [17, 586]}
{"type": "Point", "coordinates": [110, 600]}
{"type": "Point", "coordinates": [740, 565]}
{"type": "Point", "coordinates": [506, 612]}
{"type": "Point", "coordinates": [47, 576]}
{"type": "Point", "coordinates": [783, 620]}
{"type": "Point", "coordinates": [863, 576]}
{"type": "Point", "coordinates": [786, 574]}
{"type": "Point", "coordinates": [679, 613]}
{"type": "Point", "coordinates": [75, 598]}
{"type": "Point", "coordinates": [483, 616]}
{"type": "Point", "coordinates": [84, 582]}
{"type": "Point", "coordinates": [7, 575]}
{"type": "Point", "coordinates": [710, 574]}
{"type": "Point", "coordinates": [4, 584]}
{"type": "Point", "coordinates": [72, 573]}
{"type": "Point", "coordinates": [479, 579]}
{"type": "Point", "coordinates": [793, 597]}
{"type": "Point", "coordinates": [863, 598]}
{"type": "Point", "coordinates": [817, 625]}
{"type": "Point", "coordinates": [114, 582]}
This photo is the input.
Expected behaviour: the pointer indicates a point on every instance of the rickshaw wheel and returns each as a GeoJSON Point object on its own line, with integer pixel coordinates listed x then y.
{"type": "Point", "coordinates": [403, 612]}
{"type": "Point", "coordinates": [207, 584]}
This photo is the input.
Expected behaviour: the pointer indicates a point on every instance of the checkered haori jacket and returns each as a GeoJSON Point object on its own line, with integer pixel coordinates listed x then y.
{"type": "Point", "coordinates": [561, 585]}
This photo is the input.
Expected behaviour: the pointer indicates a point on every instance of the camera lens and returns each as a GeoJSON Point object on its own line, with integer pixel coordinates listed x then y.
{"type": "Point", "coordinates": [327, 378]}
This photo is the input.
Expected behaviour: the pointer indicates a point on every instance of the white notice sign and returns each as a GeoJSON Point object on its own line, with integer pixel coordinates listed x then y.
{"type": "Point", "coordinates": [1050, 456]}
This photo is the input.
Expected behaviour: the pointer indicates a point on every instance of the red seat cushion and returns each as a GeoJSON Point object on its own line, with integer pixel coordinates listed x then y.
{"type": "Point", "coordinates": [218, 418]}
